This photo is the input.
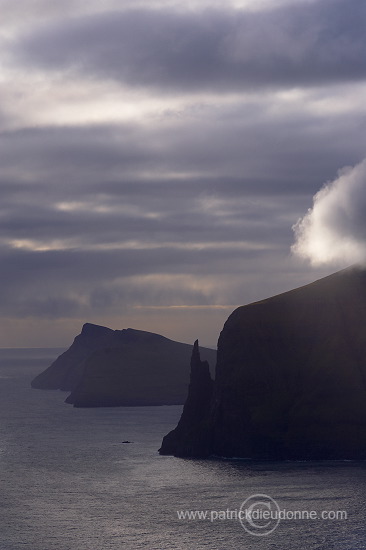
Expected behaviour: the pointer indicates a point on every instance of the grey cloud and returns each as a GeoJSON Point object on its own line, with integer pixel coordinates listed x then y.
{"type": "Point", "coordinates": [73, 283]}
{"type": "Point", "coordinates": [260, 170]}
{"type": "Point", "coordinates": [224, 143]}
{"type": "Point", "coordinates": [296, 45]}
{"type": "Point", "coordinates": [258, 173]}
{"type": "Point", "coordinates": [81, 281]}
{"type": "Point", "coordinates": [192, 206]}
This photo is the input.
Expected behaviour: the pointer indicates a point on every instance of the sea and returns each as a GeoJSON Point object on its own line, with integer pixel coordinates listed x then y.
{"type": "Point", "coordinates": [70, 481]}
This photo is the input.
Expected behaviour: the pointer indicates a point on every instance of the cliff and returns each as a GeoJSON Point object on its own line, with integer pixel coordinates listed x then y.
{"type": "Point", "coordinates": [126, 367]}
{"type": "Point", "coordinates": [290, 378]}
{"type": "Point", "coordinates": [67, 370]}
{"type": "Point", "coordinates": [141, 369]}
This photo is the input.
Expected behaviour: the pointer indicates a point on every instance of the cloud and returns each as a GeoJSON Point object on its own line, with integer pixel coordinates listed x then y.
{"type": "Point", "coordinates": [154, 156]}
{"type": "Point", "coordinates": [334, 229]}
{"type": "Point", "coordinates": [103, 219]}
{"type": "Point", "coordinates": [216, 51]}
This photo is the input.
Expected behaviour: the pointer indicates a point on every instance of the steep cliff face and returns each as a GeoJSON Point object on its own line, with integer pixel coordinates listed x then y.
{"type": "Point", "coordinates": [128, 367]}
{"type": "Point", "coordinates": [291, 376]}
{"type": "Point", "coordinates": [67, 370]}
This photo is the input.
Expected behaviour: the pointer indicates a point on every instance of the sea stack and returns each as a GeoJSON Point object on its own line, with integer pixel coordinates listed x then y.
{"type": "Point", "coordinates": [192, 427]}
{"type": "Point", "coordinates": [290, 379]}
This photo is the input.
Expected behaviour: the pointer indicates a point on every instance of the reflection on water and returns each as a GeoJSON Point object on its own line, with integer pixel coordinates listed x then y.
{"type": "Point", "coordinates": [69, 482]}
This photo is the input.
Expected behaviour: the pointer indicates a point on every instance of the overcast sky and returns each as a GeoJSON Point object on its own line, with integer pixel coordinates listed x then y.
{"type": "Point", "coordinates": [155, 156]}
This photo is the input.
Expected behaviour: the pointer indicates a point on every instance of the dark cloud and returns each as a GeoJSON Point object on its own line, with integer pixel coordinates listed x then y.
{"type": "Point", "coordinates": [266, 150]}
{"type": "Point", "coordinates": [104, 185]}
{"type": "Point", "coordinates": [304, 44]}
{"type": "Point", "coordinates": [190, 203]}
{"type": "Point", "coordinates": [125, 219]}
{"type": "Point", "coordinates": [78, 282]}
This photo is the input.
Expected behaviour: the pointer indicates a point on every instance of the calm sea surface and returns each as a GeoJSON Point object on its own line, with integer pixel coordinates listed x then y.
{"type": "Point", "coordinates": [68, 482]}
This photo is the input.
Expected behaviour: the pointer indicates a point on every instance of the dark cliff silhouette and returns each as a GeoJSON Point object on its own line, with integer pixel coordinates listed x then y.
{"type": "Point", "coordinates": [67, 370]}
{"type": "Point", "coordinates": [192, 426]}
{"type": "Point", "coordinates": [290, 378]}
{"type": "Point", "coordinates": [104, 368]}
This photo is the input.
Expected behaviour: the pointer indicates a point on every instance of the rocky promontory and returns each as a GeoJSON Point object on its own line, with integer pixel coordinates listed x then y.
{"type": "Point", "coordinates": [67, 370]}
{"type": "Point", "coordinates": [128, 367]}
{"type": "Point", "coordinates": [290, 379]}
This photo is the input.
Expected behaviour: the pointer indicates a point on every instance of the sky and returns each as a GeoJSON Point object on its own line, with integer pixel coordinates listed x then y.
{"type": "Point", "coordinates": [162, 163]}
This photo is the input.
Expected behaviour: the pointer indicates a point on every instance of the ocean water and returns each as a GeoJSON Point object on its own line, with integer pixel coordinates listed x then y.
{"type": "Point", "coordinates": [68, 482]}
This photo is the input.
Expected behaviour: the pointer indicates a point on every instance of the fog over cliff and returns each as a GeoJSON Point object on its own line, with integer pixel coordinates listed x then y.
{"type": "Point", "coordinates": [334, 230]}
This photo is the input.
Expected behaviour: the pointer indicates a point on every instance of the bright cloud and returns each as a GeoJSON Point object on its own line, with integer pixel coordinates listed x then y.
{"type": "Point", "coordinates": [334, 229]}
